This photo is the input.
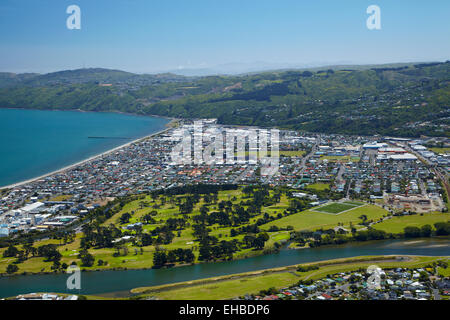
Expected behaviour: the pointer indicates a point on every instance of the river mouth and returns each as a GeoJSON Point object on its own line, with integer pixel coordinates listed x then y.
{"type": "Point", "coordinates": [111, 284]}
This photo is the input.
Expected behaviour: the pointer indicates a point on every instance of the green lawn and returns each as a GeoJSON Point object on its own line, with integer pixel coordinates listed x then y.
{"type": "Point", "coordinates": [312, 220]}
{"type": "Point", "coordinates": [297, 153]}
{"type": "Point", "coordinates": [444, 272]}
{"type": "Point", "coordinates": [340, 158]}
{"type": "Point", "coordinates": [318, 186]}
{"type": "Point", "coordinates": [230, 289]}
{"type": "Point", "coordinates": [337, 207]}
{"type": "Point", "coordinates": [397, 224]}
{"type": "Point", "coordinates": [440, 150]}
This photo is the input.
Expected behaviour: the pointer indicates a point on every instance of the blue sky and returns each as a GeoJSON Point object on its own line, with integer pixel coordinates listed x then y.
{"type": "Point", "coordinates": [158, 35]}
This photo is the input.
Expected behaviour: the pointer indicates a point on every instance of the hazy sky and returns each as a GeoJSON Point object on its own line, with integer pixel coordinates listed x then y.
{"type": "Point", "coordinates": [156, 35]}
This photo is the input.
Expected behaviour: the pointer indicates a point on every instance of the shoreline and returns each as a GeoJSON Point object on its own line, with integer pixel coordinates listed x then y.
{"type": "Point", "coordinates": [71, 166]}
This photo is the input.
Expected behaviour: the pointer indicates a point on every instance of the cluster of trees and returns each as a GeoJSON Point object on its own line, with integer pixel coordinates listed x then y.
{"type": "Point", "coordinates": [330, 236]}
{"type": "Point", "coordinates": [87, 259]}
{"type": "Point", "coordinates": [441, 229]}
{"type": "Point", "coordinates": [162, 257]}
{"type": "Point", "coordinates": [324, 237]}
{"type": "Point", "coordinates": [307, 268]}
{"type": "Point", "coordinates": [210, 249]}
{"type": "Point", "coordinates": [255, 241]}
{"type": "Point", "coordinates": [99, 236]}
{"type": "Point", "coordinates": [204, 189]}
{"type": "Point", "coordinates": [48, 251]}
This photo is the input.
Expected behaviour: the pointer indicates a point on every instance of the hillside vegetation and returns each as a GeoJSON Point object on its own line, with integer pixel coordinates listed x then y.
{"type": "Point", "coordinates": [409, 100]}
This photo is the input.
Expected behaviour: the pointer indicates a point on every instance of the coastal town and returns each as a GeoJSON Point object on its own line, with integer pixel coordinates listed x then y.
{"type": "Point", "coordinates": [225, 159]}
{"type": "Point", "coordinates": [402, 175]}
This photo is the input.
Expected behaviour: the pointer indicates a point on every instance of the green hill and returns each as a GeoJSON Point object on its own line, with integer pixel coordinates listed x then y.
{"type": "Point", "coordinates": [400, 99]}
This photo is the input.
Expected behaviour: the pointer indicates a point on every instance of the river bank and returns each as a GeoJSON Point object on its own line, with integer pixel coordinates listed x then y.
{"type": "Point", "coordinates": [238, 285]}
{"type": "Point", "coordinates": [168, 287]}
{"type": "Point", "coordinates": [120, 282]}
{"type": "Point", "coordinates": [255, 254]}
{"type": "Point", "coordinates": [234, 285]}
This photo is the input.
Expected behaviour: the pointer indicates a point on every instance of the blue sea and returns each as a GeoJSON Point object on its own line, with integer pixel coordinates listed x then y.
{"type": "Point", "coordinates": [35, 142]}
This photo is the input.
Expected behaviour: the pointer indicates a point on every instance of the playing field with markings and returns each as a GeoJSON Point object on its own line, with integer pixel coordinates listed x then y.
{"type": "Point", "coordinates": [338, 207]}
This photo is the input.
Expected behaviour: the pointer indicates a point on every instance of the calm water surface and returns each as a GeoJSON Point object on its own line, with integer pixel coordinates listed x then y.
{"type": "Point", "coordinates": [34, 142]}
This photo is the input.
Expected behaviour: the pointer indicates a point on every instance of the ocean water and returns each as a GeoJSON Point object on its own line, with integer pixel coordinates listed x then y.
{"type": "Point", "coordinates": [35, 142]}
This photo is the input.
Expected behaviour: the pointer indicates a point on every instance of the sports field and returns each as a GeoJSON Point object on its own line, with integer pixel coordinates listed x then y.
{"type": "Point", "coordinates": [336, 208]}
{"type": "Point", "coordinates": [313, 220]}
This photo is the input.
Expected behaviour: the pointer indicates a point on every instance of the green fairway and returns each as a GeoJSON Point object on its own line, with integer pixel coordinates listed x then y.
{"type": "Point", "coordinates": [397, 224]}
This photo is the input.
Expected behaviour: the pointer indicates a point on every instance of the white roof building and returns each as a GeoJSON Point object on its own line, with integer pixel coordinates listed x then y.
{"type": "Point", "coordinates": [32, 208]}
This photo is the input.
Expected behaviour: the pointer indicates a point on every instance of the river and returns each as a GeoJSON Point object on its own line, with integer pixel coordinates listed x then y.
{"type": "Point", "coordinates": [118, 283]}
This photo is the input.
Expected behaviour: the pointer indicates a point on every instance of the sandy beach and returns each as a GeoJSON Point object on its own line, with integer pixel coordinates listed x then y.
{"type": "Point", "coordinates": [18, 184]}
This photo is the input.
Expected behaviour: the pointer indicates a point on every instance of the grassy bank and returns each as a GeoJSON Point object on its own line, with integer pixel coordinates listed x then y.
{"type": "Point", "coordinates": [228, 287]}
{"type": "Point", "coordinates": [398, 223]}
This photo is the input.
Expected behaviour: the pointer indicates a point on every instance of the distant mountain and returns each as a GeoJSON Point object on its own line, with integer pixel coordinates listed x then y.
{"type": "Point", "coordinates": [79, 76]}
{"type": "Point", "coordinates": [400, 99]}
{"type": "Point", "coordinates": [83, 76]}
{"type": "Point", "coordinates": [258, 67]}
{"type": "Point", "coordinates": [11, 79]}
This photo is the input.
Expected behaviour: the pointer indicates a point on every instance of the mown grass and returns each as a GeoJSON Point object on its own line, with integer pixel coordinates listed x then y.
{"type": "Point", "coordinates": [312, 220]}
{"type": "Point", "coordinates": [398, 223]}
{"type": "Point", "coordinates": [336, 207]}
{"type": "Point", "coordinates": [319, 186]}
{"type": "Point", "coordinates": [440, 150]}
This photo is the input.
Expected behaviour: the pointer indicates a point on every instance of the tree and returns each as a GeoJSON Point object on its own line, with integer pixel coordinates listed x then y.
{"type": "Point", "coordinates": [87, 259]}
{"type": "Point", "coordinates": [205, 252]}
{"type": "Point", "coordinates": [125, 218]}
{"type": "Point", "coordinates": [146, 239]}
{"type": "Point", "coordinates": [10, 252]}
{"type": "Point", "coordinates": [259, 241]}
{"type": "Point", "coordinates": [189, 256]}
{"type": "Point", "coordinates": [412, 232]}
{"type": "Point", "coordinates": [12, 268]}
{"type": "Point", "coordinates": [159, 259]}
{"type": "Point", "coordinates": [442, 228]}
{"type": "Point", "coordinates": [28, 247]}
{"type": "Point", "coordinates": [50, 252]}
{"type": "Point", "coordinates": [426, 230]}
{"type": "Point", "coordinates": [171, 257]}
